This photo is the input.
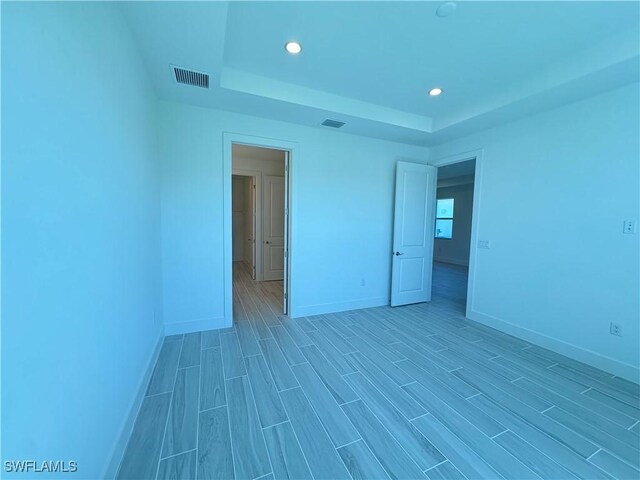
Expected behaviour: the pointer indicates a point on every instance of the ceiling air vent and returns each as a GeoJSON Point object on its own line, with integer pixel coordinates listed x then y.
{"type": "Point", "coordinates": [332, 123]}
{"type": "Point", "coordinates": [191, 77]}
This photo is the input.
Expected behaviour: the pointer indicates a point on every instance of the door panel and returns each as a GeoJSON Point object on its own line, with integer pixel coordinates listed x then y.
{"type": "Point", "coordinates": [413, 233]}
{"type": "Point", "coordinates": [252, 227]}
{"type": "Point", "coordinates": [273, 224]}
{"type": "Point", "coordinates": [285, 283]}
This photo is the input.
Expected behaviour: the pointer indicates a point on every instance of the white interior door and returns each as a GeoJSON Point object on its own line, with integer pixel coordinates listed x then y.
{"type": "Point", "coordinates": [285, 283]}
{"type": "Point", "coordinates": [273, 201]}
{"type": "Point", "coordinates": [413, 233]}
{"type": "Point", "coordinates": [252, 226]}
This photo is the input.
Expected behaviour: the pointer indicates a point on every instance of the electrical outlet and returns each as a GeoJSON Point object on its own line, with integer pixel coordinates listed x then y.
{"type": "Point", "coordinates": [615, 329]}
{"type": "Point", "coordinates": [629, 227]}
{"type": "Point", "coordinates": [362, 282]}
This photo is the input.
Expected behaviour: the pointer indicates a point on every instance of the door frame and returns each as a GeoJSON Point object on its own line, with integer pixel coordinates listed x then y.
{"type": "Point", "coordinates": [475, 214]}
{"type": "Point", "coordinates": [257, 178]}
{"type": "Point", "coordinates": [293, 149]}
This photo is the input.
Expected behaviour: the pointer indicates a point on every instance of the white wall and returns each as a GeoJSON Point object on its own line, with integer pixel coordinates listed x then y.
{"type": "Point", "coordinates": [81, 312]}
{"type": "Point", "coordinates": [344, 228]}
{"type": "Point", "coordinates": [456, 249]}
{"type": "Point", "coordinates": [554, 191]}
{"type": "Point", "coordinates": [240, 213]}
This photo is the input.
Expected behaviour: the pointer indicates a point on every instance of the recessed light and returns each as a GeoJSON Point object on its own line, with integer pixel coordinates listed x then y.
{"type": "Point", "coordinates": [293, 48]}
{"type": "Point", "coordinates": [434, 92]}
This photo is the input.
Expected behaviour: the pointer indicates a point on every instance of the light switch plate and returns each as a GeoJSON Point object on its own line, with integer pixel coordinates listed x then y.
{"type": "Point", "coordinates": [484, 244]}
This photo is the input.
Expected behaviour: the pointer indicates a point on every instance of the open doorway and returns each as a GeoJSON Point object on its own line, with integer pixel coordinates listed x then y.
{"type": "Point", "coordinates": [259, 226]}
{"type": "Point", "coordinates": [453, 228]}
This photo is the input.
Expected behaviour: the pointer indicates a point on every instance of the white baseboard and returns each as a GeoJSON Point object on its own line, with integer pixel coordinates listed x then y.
{"type": "Point", "coordinates": [195, 325]}
{"type": "Point", "coordinates": [320, 309]}
{"type": "Point", "coordinates": [608, 364]}
{"type": "Point", "coordinates": [125, 430]}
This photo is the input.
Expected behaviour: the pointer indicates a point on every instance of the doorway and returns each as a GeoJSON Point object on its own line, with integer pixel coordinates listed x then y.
{"type": "Point", "coordinates": [259, 228]}
{"type": "Point", "coordinates": [453, 233]}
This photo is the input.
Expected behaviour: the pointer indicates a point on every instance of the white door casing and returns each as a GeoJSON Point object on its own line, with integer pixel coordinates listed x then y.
{"type": "Point", "coordinates": [252, 233]}
{"type": "Point", "coordinates": [413, 230]}
{"type": "Point", "coordinates": [273, 204]}
{"type": "Point", "coordinates": [285, 283]}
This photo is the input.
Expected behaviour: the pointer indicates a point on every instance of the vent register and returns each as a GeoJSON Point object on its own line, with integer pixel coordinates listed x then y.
{"type": "Point", "coordinates": [199, 79]}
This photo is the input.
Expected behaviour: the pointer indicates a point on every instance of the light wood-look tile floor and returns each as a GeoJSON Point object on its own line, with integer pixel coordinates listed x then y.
{"type": "Point", "coordinates": [409, 392]}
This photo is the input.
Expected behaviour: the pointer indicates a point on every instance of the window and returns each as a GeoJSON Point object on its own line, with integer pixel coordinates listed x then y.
{"type": "Point", "coordinates": [444, 218]}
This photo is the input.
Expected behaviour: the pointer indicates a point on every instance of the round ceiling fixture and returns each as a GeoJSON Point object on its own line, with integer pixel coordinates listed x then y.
{"type": "Point", "coordinates": [293, 48]}
{"type": "Point", "coordinates": [434, 92]}
{"type": "Point", "coordinates": [446, 9]}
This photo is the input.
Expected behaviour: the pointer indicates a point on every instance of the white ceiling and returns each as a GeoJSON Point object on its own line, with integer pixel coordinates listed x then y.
{"type": "Point", "coordinates": [371, 64]}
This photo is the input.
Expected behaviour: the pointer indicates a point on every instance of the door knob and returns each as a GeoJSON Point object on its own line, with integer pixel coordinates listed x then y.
{"type": "Point", "coordinates": [397, 254]}
{"type": "Point", "coordinates": [267, 242]}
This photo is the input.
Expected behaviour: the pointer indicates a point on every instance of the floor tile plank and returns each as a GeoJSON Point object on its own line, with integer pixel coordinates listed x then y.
{"type": "Point", "coordinates": [215, 457]}
{"type": "Point", "coordinates": [212, 391]}
{"type": "Point", "coordinates": [320, 453]}
{"type": "Point", "coordinates": [164, 372]}
{"type": "Point", "coordinates": [285, 453]}
{"type": "Point", "coordinates": [394, 393]}
{"type": "Point", "coordinates": [384, 446]}
{"type": "Point", "coordinates": [232, 362]}
{"type": "Point", "coordinates": [268, 403]}
{"type": "Point", "coordinates": [423, 452]}
{"type": "Point", "coordinates": [182, 427]}
{"type": "Point", "coordinates": [329, 375]}
{"type": "Point", "coordinates": [143, 450]}
{"type": "Point", "coordinates": [332, 417]}
{"type": "Point", "coordinates": [179, 467]}
{"type": "Point", "coordinates": [278, 366]}
{"type": "Point", "coordinates": [250, 456]}
{"type": "Point", "coordinates": [191, 347]}
{"type": "Point", "coordinates": [291, 352]}
{"type": "Point", "coordinates": [445, 471]}
{"type": "Point", "coordinates": [361, 462]}
{"type": "Point", "coordinates": [210, 339]}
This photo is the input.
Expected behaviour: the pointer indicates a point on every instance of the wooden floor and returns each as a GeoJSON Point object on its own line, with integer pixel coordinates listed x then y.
{"type": "Point", "coordinates": [409, 392]}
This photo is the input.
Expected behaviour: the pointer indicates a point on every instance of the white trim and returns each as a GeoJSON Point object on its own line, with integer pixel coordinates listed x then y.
{"type": "Point", "coordinates": [608, 364]}
{"type": "Point", "coordinates": [228, 139]}
{"type": "Point", "coordinates": [120, 445]}
{"type": "Point", "coordinates": [475, 215]}
{"type": "Point", "coordinates": [323, 308]}
{"type": "Point", "coordinates": [191, 326]}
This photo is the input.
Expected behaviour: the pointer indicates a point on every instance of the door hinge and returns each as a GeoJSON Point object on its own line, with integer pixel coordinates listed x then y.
{"type": "Point", "coordinates": [285, 296]}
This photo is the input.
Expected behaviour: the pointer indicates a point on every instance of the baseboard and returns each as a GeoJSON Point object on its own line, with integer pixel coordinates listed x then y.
{"type": "Point", "coordinates": [452, 261]}
{"type": "Point", "coordinates": [320, 309]}
{"type": "Point", "coordinates": [608, 364]}
{"type": "Point", "coordinates": [195, 325]}
{"type": "Point", "coordinates": [126, 429]}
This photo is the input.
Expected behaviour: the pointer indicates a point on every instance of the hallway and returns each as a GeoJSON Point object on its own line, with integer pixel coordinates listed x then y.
{"type": "Point", "coordinates": [408, 392]}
